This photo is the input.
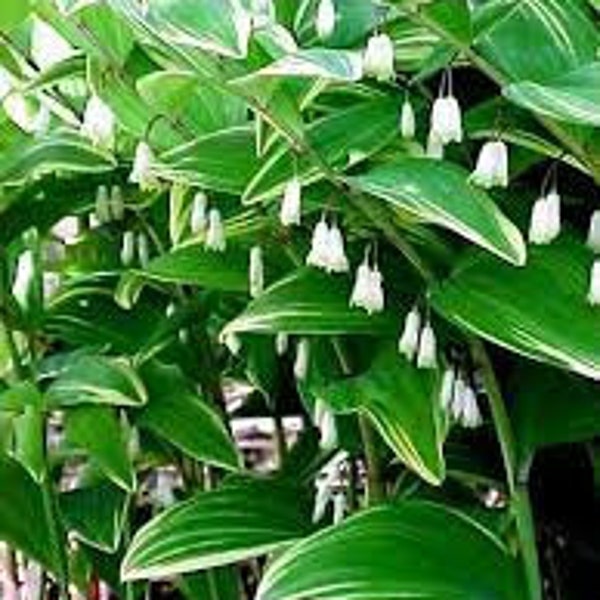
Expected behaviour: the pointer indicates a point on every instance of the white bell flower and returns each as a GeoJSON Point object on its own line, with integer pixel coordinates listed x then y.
{"type": "Point", "coordinates": [256, 274]}
{"type": "Point", "coordinates": [99, 123]}
{"type": "Point", "coordinates": [593, 237]}
{"type": "Point", "coordinates": [408, 122]}
{"type": "Point", "coordinates": [198, 217]}
{"type": "Point", "coordinates": [302, 360]}
{"type": "Point", "coordinates": [378, 59]}
{"type": "Point", "coordinates": [215, 235]}
{"type": "Point", "coordinates": [337, 261]}
{"type": "Point", "coordinates": [446, 120]}
{"type": "Point", "coordinates": [492, 166]}
{"type": "Point", "coordinates": [141, 172]}
{"type": "Point", "coordinates": [409, 340]}
{"type": "Point", "coordinates": [447, 388]}
{"type": "Point", "coordinates": [291, 204]}
{"type": "Point", "coordinates": [435, 147]}
{"type": "Point", "coordinates": [128, 248]}
{"type": "Point", "coordinates": [427, 355]}
{"type": "Point", "coordinates": [282, 341]}
{"type": "Point", "coordinates": [319, 248]}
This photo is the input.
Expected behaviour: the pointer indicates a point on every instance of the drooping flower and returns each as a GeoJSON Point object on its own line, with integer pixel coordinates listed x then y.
{"type": "Point", "coordinates": [117, 204]}
{"type": "Point", "coordinates": [337, 262]}
{"type": "Point", "coordinates": [409, 340]}
{"type": "Point", "coordinates": [457, 406]}
{"type": "Point", "coordinates": [127, 248]}
{"type": "Point", "coordinates": [408, 123]}
{"type": "Point", "coordinates": [256, 274]}
{"type": "Point", "coordinates": [340, 506]}
{"type": "Point", "coordinates": [594, 291]}
{"type": "Point", "coordinates": [327, 481]}
{"type": "Point", "coordinates": [142, 167]}
{"type": "Point", "coordinates": [102, 205]}
{"type": "Point", "coordinates": [446, 119]}
{"type": "Point", "coordinates": [325, 422]}
{"type": "Point", "coordinates": [198, 219]}
{"type": "Point", "coordinates": [492, 166]}
{"type": "Point", "coordinates": [163, 491]}
{"type": "Point", "coordinates": [593, 237]}
{"type": "Point", "coordinates": [368, 292]}
{"type": "Point", "coordinates": [99, 123]}
{"type": "Point", "coordinates": [447, 388]}
{"type": "Point", "coordinates": [143, 250]}
{"type": "Point", "coordinates": [291, 204]}
{"type": "Point", "coordinates": [378, 59]}
{"type": "Point", "coordinates": [545, 223]}
{"type": "Point", "coordinates": [215, 235]}
{"type": "Point", "coordinates": [302, 359]}
{"type": "Point", "coordinates": [471, 417]}
{"type": "Point", "coordinates": [435, 147]}
{"type": "Point", "coordinates": [319, 248]}
{"type": "Point", "coordinates": [281, 343]}
{"type": "Point", "coordinates": [427, 355]}
{"type": "Point", "coordinates": [326, 18]}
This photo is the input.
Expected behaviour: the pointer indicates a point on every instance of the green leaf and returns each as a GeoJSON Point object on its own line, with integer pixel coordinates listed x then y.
{"type": "Point", "coordinates": [398, 551]}
{"type": "Point", "coordinates": [29, 441]}
{"type": "Point", "coordinates": [402, 402]}
{"type": "Point", "coordinates": [335, 65]}
{"type": "Point", "coordinates": [573, 98]}
{"type": "Point", "coordinates": [362, 130]}
{"type": "Point", "coordinates": [96, 514]}
{"type": "Point", "coordinates": [539, 311]}
{"type": "Point", "coordinates": [96, 429]}
{"type": "Point", "coordinates": [535, 41]}
{"type": "Point", "coordinates": [177, 414]}
{"type": "Point", "coordinates": [438, 192]}
{"type": "Point", "coordinates": [193, 265]}
{"type": "Point", "coordinates": [213, 584]}
{"type": "Point", "coordinates": [552, 407]}
{"type": "Point", "coordinates": [244, 519]}
{"type": "Point", "coordinates": [309, 302]}
{"type": "Point", "coordinates": [12, 13]}
{"type": "Point", "coordinates": [96, 380]}
{"type": "Point", "coordinates": [62, 152]}
{"type": "Point", "coordinates": [18, 397]}
{"type": "Point", "coordinates": [21, 506]}
{"type": "Point", "coordinates": [200, 163]}
{"type": "Point", "coordinates": [221, 26]}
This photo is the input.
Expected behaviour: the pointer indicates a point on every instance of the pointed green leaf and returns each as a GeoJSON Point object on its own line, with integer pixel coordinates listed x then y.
{"type": "Point", "coordinates": [412, 550]}
{"type": "Point", "coordinates": [242, 520]}
{"type": "Point", "coordinates": [438, 192]}
{"type": "Point", "coordinates": [539, 311]}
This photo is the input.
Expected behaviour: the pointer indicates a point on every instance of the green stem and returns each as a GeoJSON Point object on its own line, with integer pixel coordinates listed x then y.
{"type": "Point", "coordinates": [517, 482]}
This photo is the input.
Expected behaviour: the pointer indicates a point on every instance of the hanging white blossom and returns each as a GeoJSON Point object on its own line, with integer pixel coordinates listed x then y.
{"type": "Point", "coordinates": [446, 120]}
{"type": "Point", "coordinates": [368, 292]}
{"type": "Point", "coordinates": [408, 122]}
{"type": "Point", "coordinates": [117, 204]}
{"type": "Point", "coordinates": [256, 272]}
{"type": "Point", "coordinates": [102, 205]}
{"type": "Point", "coordinates": [553, 214]}
{"type": "Point", "coordinates": [447, 388]}
{"type": "Point", "coordinates": [99, 123]}
{"type": "Point", "coordinates": [325, 421]}
{"type": "Point", "coordinates": [143, 250]}
{"type": "Point", "coordinates": [301, 363]}
{"type": "Point", "coordinates": [215, 236]}
{"type": "Point", "coordinates": [435, 147]}
{"type": "Point", "coordinates": [337, 262]}
{"type": "Point", "coordinates": [492, 166]}
{"type": "Point", "coordinates": [408, 343]}
{"type": "Point", "coordinates": [128, 248]}
{"type": "Point", "coordinates": [427, 355]}
{"type": "Point", "coordinates": [281, 343]}
{"type": "Point", "coordinates": [340, 507]}
{"type": "Point", "coordinates": [594, 291]}
{"type": "Point", "coordinates": [471, 417]}
{"type": "Point", "coordinates": [378, 60]}
{"type": "Point", "coordinates": [198, 218]}
{"type": "Point", "coordinates": [545, 223]}
{"type": "Point", "coordinates": [291, 204]}
{"type": "Point", "coordinates": [593, 237]}
{"type": "Point", "coordinates": [141, 172]}
{"type": "Point", "coordinates": [163, 491]}
{"type": "Point", "coordinates": [319, 247]}
{"type": "Point", "coordinates": [326, 18]}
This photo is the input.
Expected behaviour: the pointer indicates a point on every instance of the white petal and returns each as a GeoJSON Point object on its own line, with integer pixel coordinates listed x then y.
{"type": "Point", "coordinates": [435, 146]}
{"type": "Point", "coordinates": [325, 422]}
{"type": "Point", "coordinates": [360, 291]}
{"type": "Point", "coordinates": [593, 238]}
{"type": "Point", "coordinates": [215, 236]}
{"type": "Point", "coordinates": [492, 166]}
{"type": "Point", "coordinates": [99, 123]}
{"type": "Point", "coordinates": [257, 278]}
{"type": "Point", "coordinates": [553, 218]}
{"type": "Point", "coordinates": [319, 249]}
{"type": "Point", "coordinates": [281, 343]}
{"type": "Point", "coordinates": [446, 120]}
{"type": "Point", "coordinates": [538, 223]}
{"type": "Point", "coordinates": [427, 357]}
{"type": "Point", "coordinates": [141, 172]}
{"type": "Point", "coordinates": [326, 17]}
{"type": "Point", "coordinates": [117, 205]}
{"type": "Point", "coordinates": [458, 399]}
{"type": "Point", "coordinates": [340, 507]}
{"type": "Point", "coordinates": [198, 218]}
{"type": "Point", "coordinates": [291, 204]}
{"type": "Point", "coordinates": [409, 340]}
{"type": "Point", "coordinates": [127, 248]}
{"type": "Point", "coordinates": [408, 123]}
{"type": "Point", "coordinates": [594, 292]}
{"type": "Point", "coordinates": [378, 60]}
{"type": "Point", "coordinates": [143, 250]}
{"type": "Point", "coordinates": [471, 417]}
{"type": "Point", "coordinates": [302, 359]}
{"type": "Point", "coordinates": [337, 262]}
{"type": "Point", "coordinates": [447, 389]}
{"type": "Point", "coordinates": [376, 297]}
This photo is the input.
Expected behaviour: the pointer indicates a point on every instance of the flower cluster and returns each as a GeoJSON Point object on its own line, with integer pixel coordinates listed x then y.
{"type": "Point", "coordinates": [132, 245]}
{"type": "Point", "coordinates": [459, 400]}
{"type": "Point", "coordinates": [418, 340]}
{"type": "Point", "coordinates": [327, 250]}
{"type": "Point", "coordinates": [367, 292]}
